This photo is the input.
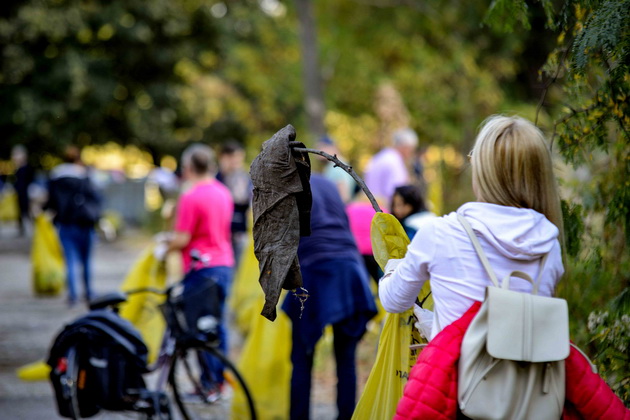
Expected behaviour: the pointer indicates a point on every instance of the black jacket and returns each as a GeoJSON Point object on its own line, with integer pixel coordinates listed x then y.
{"type": "Point", "coordinates": [72, 196]}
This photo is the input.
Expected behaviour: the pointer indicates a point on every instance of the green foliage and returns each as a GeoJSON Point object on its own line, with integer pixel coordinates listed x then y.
{"type": "Point", "coordinates": [505, 15]}
{"type": "Point", "coordinates": [175, 71]}
{"type": "Point", "coordinates": [610, 331]}
{"type": "Point", "coordinates": [593, 129]}
{"type": "Point", "coordinates": [573, 227]}
{"type": "Point", "coordinates": [92, 72]}
{"type": "Point", "coordinates": [605, 32]}
{"type": "Point", "coordinates": [599, 315]}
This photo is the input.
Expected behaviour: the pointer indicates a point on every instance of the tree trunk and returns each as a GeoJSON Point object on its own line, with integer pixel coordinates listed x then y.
{"type": "Point", "coordinates": [314, 96]}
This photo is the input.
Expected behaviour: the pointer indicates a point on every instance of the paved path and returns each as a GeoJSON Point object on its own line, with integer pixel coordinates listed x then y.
{"type": "Point", "coordinates": [28, 325]}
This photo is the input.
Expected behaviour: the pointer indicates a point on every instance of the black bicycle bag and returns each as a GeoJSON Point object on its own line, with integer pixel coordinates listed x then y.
{"type": "Point", "coordinates": [111, 358]}
{"type": "Point", "coordinates": [192, 310]}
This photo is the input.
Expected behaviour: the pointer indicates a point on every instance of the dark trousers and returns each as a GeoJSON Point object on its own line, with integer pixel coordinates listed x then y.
{"type": "Point", "coordinates": [77, 249]}
{"type": "Point", "coordinates": [213, 368]}
{"type": "Point", "coordinates": [372, 268]}
{"type": "Point", "coordinates": [302, 359]}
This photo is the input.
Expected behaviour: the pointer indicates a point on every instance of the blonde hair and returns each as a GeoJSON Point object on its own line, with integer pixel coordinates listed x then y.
{"type": "Point", "coordinates": [512, 166]}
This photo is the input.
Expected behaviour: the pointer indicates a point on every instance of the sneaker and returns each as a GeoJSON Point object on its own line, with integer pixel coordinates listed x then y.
{"type": "Point", "coordinates": [208, 397]}
{"type": "Point", "coordinates": [212, 396]}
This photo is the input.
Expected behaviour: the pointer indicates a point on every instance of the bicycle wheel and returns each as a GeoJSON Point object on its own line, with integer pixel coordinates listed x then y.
{"type": "Point", "coordinates": [70, 381]}
{"type": "Point", "coordinates": [196, 401]}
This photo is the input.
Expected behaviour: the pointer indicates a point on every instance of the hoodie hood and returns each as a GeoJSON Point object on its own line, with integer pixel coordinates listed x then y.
{"type": "Point", "coordinates": [521, 234]}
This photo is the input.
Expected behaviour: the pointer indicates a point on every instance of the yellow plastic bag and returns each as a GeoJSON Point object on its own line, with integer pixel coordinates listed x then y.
{"type": "Point", "coordinates": [389, 239]}
{"type": "Point", "coordinates": [265, 364]}
{"type": "Point", "coordinates": [142, 309]}
{"type": "Point", "coordinates": [389, 374]}
{"type": "Point", "coordinates": [49, 268]}
{"type": "Point", "coordinates": [36, 371]}
{"type": "Point", "coordinates": [244, 299]}
{"type": "Point", "coordinates": [9, 206]}
{"type": "Point", "coordinates": [265, 360]}
{"type": "Point", "coordinates": [394, 358]}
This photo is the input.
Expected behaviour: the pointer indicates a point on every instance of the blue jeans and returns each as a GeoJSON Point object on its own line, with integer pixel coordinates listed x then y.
{"type": "Point", "coordinates": [77, 244]}
{"type": "Point", "coordinates": [223, 277]}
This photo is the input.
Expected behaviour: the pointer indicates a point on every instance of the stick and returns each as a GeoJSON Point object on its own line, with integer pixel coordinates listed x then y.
{"type": "Point", "coordinates": [346, 168]}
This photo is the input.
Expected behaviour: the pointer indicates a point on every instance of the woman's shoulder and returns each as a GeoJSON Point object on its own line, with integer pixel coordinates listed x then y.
{"type": "Point", "coordinates": [417, 220]}
{"type": "Point", "coordinates": [432, 221]}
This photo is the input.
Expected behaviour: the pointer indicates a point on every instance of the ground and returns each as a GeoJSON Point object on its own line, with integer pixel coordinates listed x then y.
{"type": "Point", "coordinates": [29, 323]}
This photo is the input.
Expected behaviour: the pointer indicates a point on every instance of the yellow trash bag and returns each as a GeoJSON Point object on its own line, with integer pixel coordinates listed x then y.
{"type": "Point", "coordinates": [142, 309]}
{"type": "Point", "coordinates": [49, 267]}
{"type": "Point", "coordinates": [36, 371]}
{"type": "Point", "coordinates": [265, 364]}
{"type": "Point", "coordinates": [389, 239]}
{"type": "Point", "coordinates": [394, 358]}
{"type": "Point", "coordinates": [244, 298]}
{"type": "Point", "coordinates": [9, 206]}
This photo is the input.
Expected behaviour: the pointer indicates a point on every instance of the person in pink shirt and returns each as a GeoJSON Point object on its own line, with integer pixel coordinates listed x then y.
{"type": "Point", "coordinates": [203, 229]}
{"type": "Point", "coordinates": [360, 213]}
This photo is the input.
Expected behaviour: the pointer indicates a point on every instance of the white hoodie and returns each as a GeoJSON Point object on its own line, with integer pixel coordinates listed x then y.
{"type": "Point", "coordinates": [511, 238]}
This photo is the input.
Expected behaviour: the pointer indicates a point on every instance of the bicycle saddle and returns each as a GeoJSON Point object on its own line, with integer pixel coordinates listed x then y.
{"type": "Point", "coordinates": [109, 299]}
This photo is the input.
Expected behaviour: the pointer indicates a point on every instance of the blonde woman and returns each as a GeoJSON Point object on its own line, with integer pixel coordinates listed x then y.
{"type": "Point", "coordinates": [517, 218]}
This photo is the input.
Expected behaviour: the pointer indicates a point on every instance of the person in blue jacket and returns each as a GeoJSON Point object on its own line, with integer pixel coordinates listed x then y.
{"type": "Point", "coordinates": [337, 285]}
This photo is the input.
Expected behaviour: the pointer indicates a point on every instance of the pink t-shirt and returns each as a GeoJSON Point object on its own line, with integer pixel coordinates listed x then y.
{"type": "Point", "coordinates": [360, 217]}
{"type": "Point", "coordinates": [205, 212]}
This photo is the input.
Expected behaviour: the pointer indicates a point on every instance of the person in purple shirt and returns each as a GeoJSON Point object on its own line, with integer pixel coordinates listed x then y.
{"type": "Point", "coordinates": [388, 168]}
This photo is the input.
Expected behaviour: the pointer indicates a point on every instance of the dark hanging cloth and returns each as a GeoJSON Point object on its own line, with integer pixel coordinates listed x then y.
{"type": "Point", "coordinates": [282, 213]}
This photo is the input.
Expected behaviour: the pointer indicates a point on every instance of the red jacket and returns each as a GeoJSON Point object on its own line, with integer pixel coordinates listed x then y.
{"type": "Point", "coordinates": [431, 392]}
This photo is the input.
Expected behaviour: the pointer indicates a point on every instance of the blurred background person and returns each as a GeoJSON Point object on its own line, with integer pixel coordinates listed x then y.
{"type": "Point", "coordinates": [77, 208]}
{"type": "Point", "coordinates": [360, 213]}
{"type": "Point", "coordinates": [24, 176]}
{"type": "Point", "coordinates": [202, 224]}
{"type": "Point", "coordinates": [389, 168]}
{"type": "Point", "coordinates": [344, 182]}
{"type": "Point", "coordinates": [338, 294]}
{"type": "Point", "coordinates": [235, 177]}
{"type": "Point", "coordinates": [167, 184]}
{"type": "Point", "coordinates": [409, 207]}
{"type": "Point", "coordinates": [166, 181]}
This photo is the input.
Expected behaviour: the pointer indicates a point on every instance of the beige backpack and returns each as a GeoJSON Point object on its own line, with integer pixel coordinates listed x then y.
{"type": "Point", "coordinates": [512, 356]}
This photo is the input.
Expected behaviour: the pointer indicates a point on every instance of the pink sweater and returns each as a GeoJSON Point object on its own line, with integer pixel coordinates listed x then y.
{"type": "Point", "coordinates": [360, 216]}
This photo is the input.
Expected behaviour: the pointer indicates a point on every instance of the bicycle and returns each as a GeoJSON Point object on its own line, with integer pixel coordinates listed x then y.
{"type": "Point", "coordinates": [178, 368]}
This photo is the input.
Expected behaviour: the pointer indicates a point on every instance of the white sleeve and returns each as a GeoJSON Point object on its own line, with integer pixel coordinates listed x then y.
{"type": "Point", "coordinates": [399, 290]}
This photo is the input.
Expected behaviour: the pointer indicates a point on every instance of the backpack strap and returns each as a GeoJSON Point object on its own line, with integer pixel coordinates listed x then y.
{"type": "Point", "coordinates": [541, 266]}
{"type": "Point", "coordinates": [505, 283]}
{"type": "Point", "coordinates": [478, 249]}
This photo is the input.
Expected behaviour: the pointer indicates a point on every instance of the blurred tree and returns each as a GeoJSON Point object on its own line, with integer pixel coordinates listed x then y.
{"type": "Point", "coordinates": [587, 88]}
{"type": "Point", "coordinates": [90, 72]}
{"type": "Point", "coordinates": [449, 72]}
{"type": "Point", "coordinates": [187, 70]}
